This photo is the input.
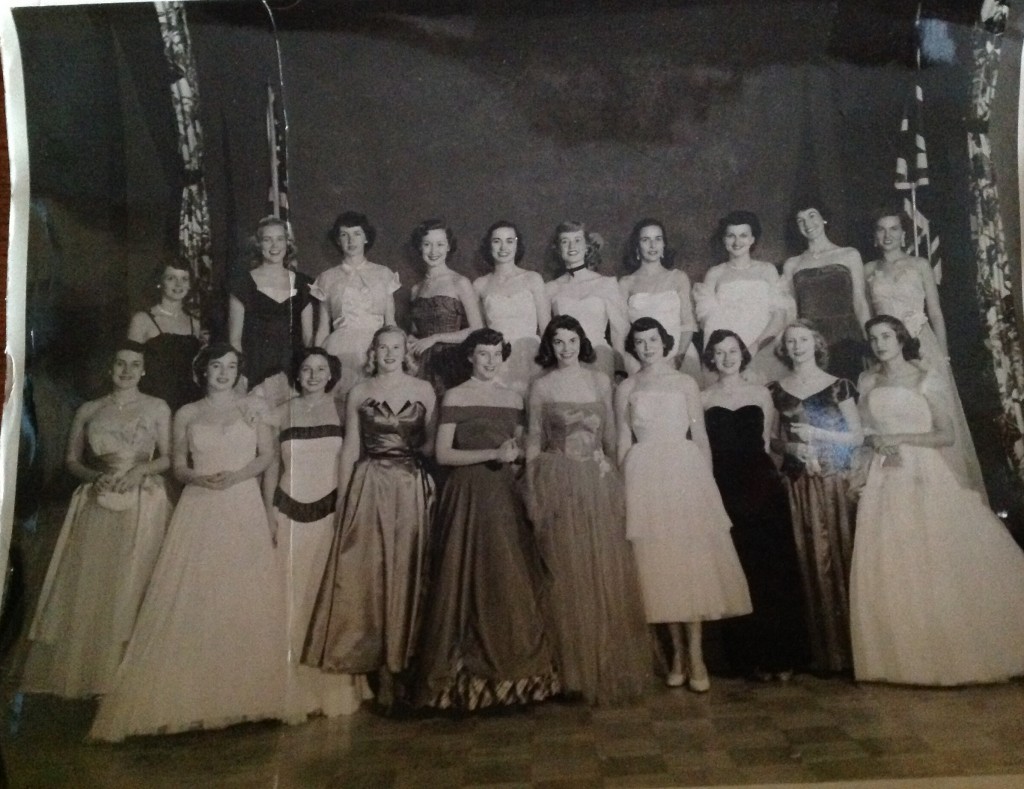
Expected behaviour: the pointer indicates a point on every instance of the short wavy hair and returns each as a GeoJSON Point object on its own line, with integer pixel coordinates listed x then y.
{"type": "Point", "coordinates": [353, 219]}
{"type": "Point", "coordinates": [484, 336]}
{"type": "Point", "coordinates": [592, 258]}
{"type": "Point", "coordinates": [717, 336]}
{"type": "Point", "coordinates": [893, 210]}
{"type": "Point", "coordinates": [420, 232]}
{"type": "Point", "coordinates": [646, 324]}
{"type": "Point", "coordinates": [820, 346]}
{"type": "Point", "coordinates": [212, 352]}
{"type": "Point", "coordinates": [299, 358]}
{"type": "Point", "coordinates": [127, 345]}
{"type": "Point", "coordinates": [910, 345]}
{"type": "Point", "coordinates": [735, 218]}
{"type": "Point", "coordinates": [290, 253]}
{"type": "Point", "coordinates": [485, 242]}
{"type": "Point", "coordinates": [631, 260]}
{"type": "Point", "coordinates": [370, 366]}
{"type": "Point", "coordinates": [546, 354]}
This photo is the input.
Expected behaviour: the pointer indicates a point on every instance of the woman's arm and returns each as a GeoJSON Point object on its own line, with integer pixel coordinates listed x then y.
{"type": "Point", "coordinates": [941, 434]}
{"type": "Point", "coordinates": [141, 328]}
{"type": "Point", "coordinates": [158, 464]}
{"type": "Point", "coordinates": [770, 417]}
{"type": "Point", "coordinates": [182, 471]}
{"type": "Point", "coordinates": [533, 414]}
{"type": "Point", "coordinates": [686, 320]}
{"type": "Point", "coordinates": [323, 327]}
{"type": "Point", "coordinates": [695, 413]}
{"type": "Point", "coordinates": [855, 266]}
{"type": "Point", "coordinates": [223, 480]}
{"type": "Point", "coordinates": [932, 305]}
{"type": "Point", "coordinates": [306, 318]}
{"type": "Point", "coordinates": [541, 302]}
{"type": "Point", "coordinates": [353, 443]}
{"type": "Point", "coordinates": [424, 392]}
{"type": "Point", "coordinates": [623, 429]}
{"type": "Point", "coordinates": [618, 320]}
{"type": "Point", "coordinates": [236, 320]}
{"type": "Point", "coordinates": [604, 392]}
{"type": "Point", "coordinates": [272, 475]}
{"type": "Point", "coordinates": [75, 454]}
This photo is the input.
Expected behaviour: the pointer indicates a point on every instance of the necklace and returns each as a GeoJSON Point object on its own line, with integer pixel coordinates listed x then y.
{"type": "Point", "coordinates": [169, 313]}
{"type": "Point", "coordinates": [736, 266]}
{"type": "Point", "coordinates": [123, 405]}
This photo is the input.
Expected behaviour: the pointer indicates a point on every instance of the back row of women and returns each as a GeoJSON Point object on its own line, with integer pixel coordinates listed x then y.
{"type": "Point", "coordinates": [511, 590]}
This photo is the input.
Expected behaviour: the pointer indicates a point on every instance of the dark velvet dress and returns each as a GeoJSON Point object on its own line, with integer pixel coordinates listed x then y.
{"type": "Point", "coordinates": [169, 366]}
{"type": "Point", "coordinates": [442, 364]}
{"type": "Point", "coordinates": [369, 606]}
{"type": "Point", "coordinates": [823, 520]}
{"type": "Point", "coordinates": [773, 638]}
{"type": "Point", "coordinates": [484, 639]}
{"type": "Point", "coordinates": [824, 296]}
{"type": "Point", "coordinates": [272, 331]}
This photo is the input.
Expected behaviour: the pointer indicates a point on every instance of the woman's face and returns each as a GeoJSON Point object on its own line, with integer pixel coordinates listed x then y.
{"type": "Point", "coordinates": [273, 243]}
{"type": "Point", "coordinates": [352, 241]}
{"type": "Point", "coordinates": [648, 346]}
{"type": "Point", "coordinates": [486, 361]}
{"type": "Point", "coordinates": [389, 352]}
{"type": "Point", "coordinates": [566, 345]}
{"type": "Point", "coordinates": [503, 245]}
{"type": "Point", "coordinates": [175, 283]}
{"type": "Point", "coordinates": [651, 242]}
{"type": "Point", "coordinates": [738, 240]}
{"type": "Point", "coordinates": [728, 357]}
{"type": "Point", "coordinates": [127, 369]}
{"type": "Point", "coordinates": [314, 373]}
{"type": "Point", "coordinates": [572, 246]}
{"type": "Point", "coordinates": [885, 345]}
{"type": "Point", "coordinates": [810, 223]}
{"type": "Point", "coordinates": [434, 248]}
{"type": "Point", "coordinates": [222, 373]}
{"type": "Point", "coordinates": [800, 344]}
{"type": "Point", "coordinates": [889, 235]}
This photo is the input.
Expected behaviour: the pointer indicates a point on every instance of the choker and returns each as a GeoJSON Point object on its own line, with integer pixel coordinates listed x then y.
{"type": "Point", "coordinates": [572, 271]}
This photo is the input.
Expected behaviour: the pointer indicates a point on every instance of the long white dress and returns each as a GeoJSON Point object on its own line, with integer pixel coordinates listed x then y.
{"type": "Point", "coordinates": [210, 647]}
{"type": "Point", "coordinates": [665, 307]}
{"type": "Point", "coordinates": [937, 582]}
{"type": "Point", "coordinates": [901, 294]}
{"type": "Point", "coordinates": [675, 519]}
{"type": "Point", "coordinates": [515, 316]}
{"type": "Point", "coordinates": [99, 571]}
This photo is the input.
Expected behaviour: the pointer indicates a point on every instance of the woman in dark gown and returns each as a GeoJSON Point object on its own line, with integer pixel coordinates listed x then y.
{"type": "Point", "coordinates": [368, 610]}
{"type": "Point", "coordinates": [771, 642]}
{"type": "Point", "coordinates": [444, 307]}
{"type": "Point", "coordinates": [170, 332]}
{"type": "Point", "coordinates": [827, 282]}
{"type": "Point", "coordinates": [819, 432]}
{"type": "Point", "coordinates": [270, 312]}
{"type": "Point", "coordinates": [484, 640]}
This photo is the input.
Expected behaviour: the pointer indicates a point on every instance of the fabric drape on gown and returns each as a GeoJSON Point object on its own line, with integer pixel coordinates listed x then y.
{"type": "Point", "coordinates": [369, 606]}
{"type": "Point", "coordinates": [441, 364]}
{"type": "Point", "coordinates": [824, 296]}
{"type": "Point", "coordinates": [484, 638]}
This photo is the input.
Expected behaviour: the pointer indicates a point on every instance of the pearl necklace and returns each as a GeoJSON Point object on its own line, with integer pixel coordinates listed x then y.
{"type": "Point", "coordinates": [121, 406]}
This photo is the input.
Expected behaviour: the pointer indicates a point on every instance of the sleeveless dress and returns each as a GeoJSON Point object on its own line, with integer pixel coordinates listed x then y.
{"type": "Point", "coordinates": [675, 519]}
{"type": "Point", "coordinates": [357, 298]}
{"type": "Point", "coordinates": [823, 520]}
{"type": "Point", "coordinates": [594, 611]}
{"type": "Point", "coordinates": [824, 296]}
{"type": "Point", "coordinates": [169, 366]}
{"type": "Point", "coordinates": [744, 306]}
{"type": "Point", "coordinates": [484, 640]}
{"type": "Point", "coordinates": [441, 364]}
{"type": "Point", "coordinates": [99, 572]}
{"type": "Point", "coordinates": [592, 309]}
{"type": "Point", "coordinates": [901, 294]}
{"type": "Point", "coordinates": [305, 528]}
{"type": "Point", "coordinates": [773, 638]}
{"type": "Point", "coordinates": [937, 587]}
{"type": "Point", "coordinates": [210, 647]}
{"type": "Point", "coordinates": [370, 603]}
{"type": "Point", "coordinates": [515, 316]}
{"type": "Point", "coordinates": [664, 306]}
{"type": "Point", "coordinates": [272, 331]}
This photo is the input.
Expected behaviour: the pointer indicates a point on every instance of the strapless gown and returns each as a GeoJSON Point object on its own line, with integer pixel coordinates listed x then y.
{"type": "Point", "coordinates": [824, 296]}
{"type": "Point", "coordinates": [441, 364]}
{"type": "Point", "coordinates": [937, 583]}
{"type": "Point", "coordinates": [515, 316]}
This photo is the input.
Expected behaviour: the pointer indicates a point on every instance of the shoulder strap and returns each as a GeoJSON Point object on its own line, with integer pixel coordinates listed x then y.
{"type": "Point", "coordinates": [153, 318]}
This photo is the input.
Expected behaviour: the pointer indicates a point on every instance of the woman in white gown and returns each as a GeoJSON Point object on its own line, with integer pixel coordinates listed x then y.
{"type": "Point", "coordinates": [745, 296]}
{"type": "Point", "coordinates": [675, 519]}
{"type": "Point", "coordinates": [110, 538]}
{"type": "Point", "coordinates": [513, 302]}
{"type": "Point", "coordinates": [591, 298]}
{"type": "Point", "coordinates": [937, 583]}
{"type": "Point", "coordinates": [210, 647]}
{"type": "Point", "coordinates": [903, 286]}
{"type": "Point", "coordinates": [656, 289]}
{"type": "Point", "coordinates": [300, 491]}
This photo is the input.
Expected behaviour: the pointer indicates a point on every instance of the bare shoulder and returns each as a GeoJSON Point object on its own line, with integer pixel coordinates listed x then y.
{"type": "Point", "coordinates": [156, 406]}
{"type": "Point", "coordinates": [481, 283]}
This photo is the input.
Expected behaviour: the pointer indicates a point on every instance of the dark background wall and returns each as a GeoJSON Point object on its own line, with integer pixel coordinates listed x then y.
{"type": "Point", "coordinates": [477, 111]}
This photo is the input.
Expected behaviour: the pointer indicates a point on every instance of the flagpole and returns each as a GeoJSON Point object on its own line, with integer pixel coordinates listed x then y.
{"type": "Point", "coordinates": [275, 195]}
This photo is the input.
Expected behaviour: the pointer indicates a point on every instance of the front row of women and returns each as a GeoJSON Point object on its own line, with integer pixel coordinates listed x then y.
{"type": "Point", "coordinates": [515, 587]}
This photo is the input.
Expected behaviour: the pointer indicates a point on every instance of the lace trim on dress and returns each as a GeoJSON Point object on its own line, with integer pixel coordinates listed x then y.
{"type": "Point", "coordinates": [466, 691]}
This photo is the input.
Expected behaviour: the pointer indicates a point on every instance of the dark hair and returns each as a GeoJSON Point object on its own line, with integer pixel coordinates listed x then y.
{"type": "Point", "coordinates": [631, 260]}
{"type": "Point", "coordinates": [717, 336]}
{"type": "Point", "coordinates": [893, 210]}
{"type": "Point", "coordinates": [646, 324]}
{"type": "Point", "coordinates": [353, 219]}
{"type": "Point", "coordinates": [807, 202]}
{"type": "Point", "coordinates": [424, 227]}
{"type": "Point", "coordinates": [290, 256]}
{"type": "Point", "coordinates": [910, 345]}
{"type": "Point", "coordinates": [299, 358]}
{"type": "Point", "coordinates": [485, 243]}
{"type": "Point", "coordinates": [128, 345]}
{"type": "Point", "coordinates": [212, 352]}
{"type": "Point", "coordinates": [546, 354]}
{"type": "Point", "coordinates": [484, 337]}
{"type": "Point", "coordinates": [370, 367]}
{"type": "Point", "coordinates": [820, 346]}
{"type": "Point", "coordinates": [734, 218]}
{"type": "Point", "coordinates": [594, 242]}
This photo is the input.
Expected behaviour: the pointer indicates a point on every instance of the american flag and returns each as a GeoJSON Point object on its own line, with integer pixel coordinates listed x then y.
{"type": "Point", "coordinates": [912, 174]}
{"type": "Point", "coordinates": [277, 143]}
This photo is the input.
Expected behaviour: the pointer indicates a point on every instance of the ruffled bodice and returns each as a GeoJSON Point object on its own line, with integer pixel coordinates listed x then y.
{"type": "Point", "coordinates": [663, 306]}
{"type": "Point", "coordinates": [573, 429]}
{"type": "Point", "coordinates": [437, 315]}
{"type": "Point", "coordinates": [513, 314]}
{"type": "Point", "coordinates": [221, 447]}
{"type": "Point", "coordinates": [591, 311]}
{"type": "Point", "coordinates": [658, 416]}
{"type": "Point", "coordinates": [900, 294]}
{"type": "Point", "coordinates": [356, 296]}
{"type": "Point", "coordinates": [120, 445]}
{"type": "Point", "coordinates": [391, 434]}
